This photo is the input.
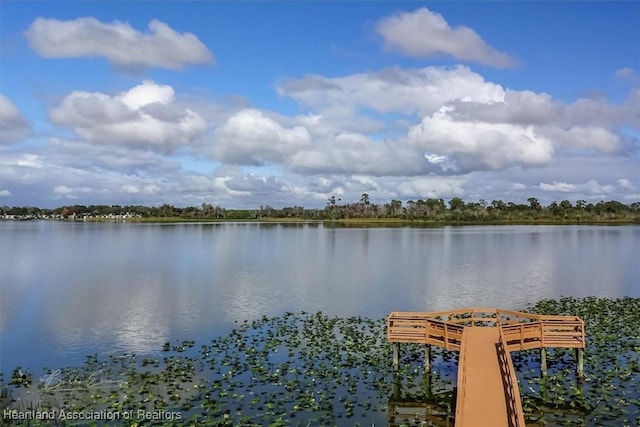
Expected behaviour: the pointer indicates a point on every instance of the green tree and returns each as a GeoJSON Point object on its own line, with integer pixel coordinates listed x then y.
{"type": "Point", "coordinates": [456, 204]}
{"type": "Point", "coordinates": [534, 204]}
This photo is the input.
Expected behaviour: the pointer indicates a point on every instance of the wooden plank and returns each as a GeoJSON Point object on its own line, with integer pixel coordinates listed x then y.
{"type": "Point", "coordinates": [481, 398]}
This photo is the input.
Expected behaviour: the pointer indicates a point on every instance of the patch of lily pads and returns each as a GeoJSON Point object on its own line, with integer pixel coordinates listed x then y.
{"type": "Point", "coordinates": [310, 369]}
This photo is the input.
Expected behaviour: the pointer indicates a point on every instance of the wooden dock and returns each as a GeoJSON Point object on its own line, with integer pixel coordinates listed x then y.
{"type": "Point", "coordinates": [488, 393]}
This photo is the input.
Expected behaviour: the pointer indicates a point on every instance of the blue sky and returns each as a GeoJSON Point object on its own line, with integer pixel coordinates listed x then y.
{"type": "Point", "coordinates": [288, 103]}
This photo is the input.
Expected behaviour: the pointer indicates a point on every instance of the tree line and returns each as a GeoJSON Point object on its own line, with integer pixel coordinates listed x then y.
{"type": "Point", "coordinates": [455, 210]}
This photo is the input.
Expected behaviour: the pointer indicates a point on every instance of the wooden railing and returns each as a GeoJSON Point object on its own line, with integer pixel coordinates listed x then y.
{"type": "Point", "coordinates": [515, 414]}
{"type": "Point", "coordinates": [517, 331]}
{"type": "Point", "coordinates": [567, 332]}
{"type": "Point", "coordinates": [462, 385]}
{"type": "Point", "coordinates": [522, 331]}
{"type": "Point", "coordinates": [412, 328]}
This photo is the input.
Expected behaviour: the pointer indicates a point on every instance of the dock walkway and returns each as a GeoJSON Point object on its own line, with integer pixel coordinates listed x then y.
{"type": "Point", "coordinates": [488, 392]}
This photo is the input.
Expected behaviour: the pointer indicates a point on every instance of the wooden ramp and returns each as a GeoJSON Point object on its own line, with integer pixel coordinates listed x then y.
{"type": "Point", "coordinates": [488, 392]}
{"type": "Point", "coordinates": [482, 392]}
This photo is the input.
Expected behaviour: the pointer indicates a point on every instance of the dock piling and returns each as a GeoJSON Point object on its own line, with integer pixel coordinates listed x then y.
{"type": "Point", "coordinates": [543, 362]}
{"type": "Point", "coordinates": [427, 358]}
{"type": "Point", "coordinates": [580, 363]}
{"type": "Point", "coordinates": [396, 355]}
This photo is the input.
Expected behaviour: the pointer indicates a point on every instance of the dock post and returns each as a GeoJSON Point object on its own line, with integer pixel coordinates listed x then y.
{"type": "Point", "coordinates": [427, 358]}
{"type": "Point", "coordinates": [543, 361]}
{"type": "Point", "coordinates": [580, 362]}
{"type": "Point", "coordinates": [427, 384]}
{"type": "Point", "coordinates": [396, 355]}
{"type": "Point", "coordinates": [396, 387]}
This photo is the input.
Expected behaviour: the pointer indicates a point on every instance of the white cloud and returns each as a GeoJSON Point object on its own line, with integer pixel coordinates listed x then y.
{"type": "Point", "coordinates": [354, 153]}
{"type": "Point", "coordinates": [13, 125]}
{"type": "Point", "coordinates": [250, 137]}
{"type": "Point", "coordinates": [625, 183]}
{"type": "Point", "coordinates": [626, 74]}
{"type": "Point", "coordinates": [540, 109]}
{"type": "Point", "coordinates": [583, 137]}
{"type": "Point", "coordinates": [392, 90]}
{"type": "Point", "coordinates": [561, 187]}
{"type": "Point", "coordinates": [425, 34]}
{"type": "Point", "coordinates": [591, 187]}
{"type": "Point", "coordinates": [5, 193]}
{"type": "Point", "coordinates": [130, 189]}
{"type": "Point", "coordinates": [600, 113]}
{"type": "Point", "coordinates": [431, 187]}
{"type": "Point", "coordinates": [594, 188]}
{"type": "Point", "coordinates": [516, 107]}
{"type": "Point", "coordinates": [29, 160]}
{"type": "Point", "coordinates": [466, 123]}
{"type": "Point", "coordinates": [146, 115]}
{"type": "Point", "coordinates": [118, 42]}
{"type": "Point", "coordinates": [477, 145]}
{"type": "Point", "coordinates": [63, 190]}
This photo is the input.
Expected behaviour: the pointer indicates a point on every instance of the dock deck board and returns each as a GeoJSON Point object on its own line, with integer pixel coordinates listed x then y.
{"type": "Point", "coordinates": [483, 399]}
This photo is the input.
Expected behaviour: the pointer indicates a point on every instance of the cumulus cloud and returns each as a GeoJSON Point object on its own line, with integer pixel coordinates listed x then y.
{"type": "Point", "coordinates": [600, 112]}
{"type": "Point", "coordinates": [478, 145]}
{"type": "Point", "coordinates": [561, 187]}
{"type": "Point", "coordinates": [357, 154]}
{"type": "Point", "coordinates": [425, 34]}
{"type": "Point", "coordinates": [13, 125]}
{"type": "Point", "coordinates": [118, 42]}
{"type": "Point", "coordinates": [626, 74]}
{"type": "Point", "coordinates": [464, 122]}
{"type": "Point", "coordinates": [250, 137]}
{"type": "Point", "coordinates": [516, 107]}
{"type": "Point", "coordinates": [62, 190]}
{"type": "Point", "coordinates": [407, 91]}
{"type": "Point", "coordinates": [431, 187]}
{"type": "Point", "coordinates": [146, 115]}
{"type": "Point", "coordinates": [591, 187]}
{"type": "Point", "coordinates": [625, 183]}
{"type": "Point", "coordinates": [5, 193]}
{"type": "Point", "coordinates": [584, 137]}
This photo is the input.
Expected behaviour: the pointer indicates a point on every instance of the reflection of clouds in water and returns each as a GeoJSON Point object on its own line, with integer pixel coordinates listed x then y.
{"type": "Point", "coordinates": [586, 264]}
{"type": "Point", "coordinates": [137, 315]}
{"type": "Point", "coordinates": [475, 267]}
{"type": "Point", "coordinates": [110, 288]}
{"type": "Point", "coordinates": [247, 300]}
{"type": "Point", "coordinates": [268, 270]}
{"type": "Point", "coordinates": [254, 292]}
{"type": "Point", "coordinates": [143, 321]}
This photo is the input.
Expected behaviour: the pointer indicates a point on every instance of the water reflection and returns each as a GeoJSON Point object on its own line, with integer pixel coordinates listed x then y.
{"type": "Point", "coordinates": [73, 289]}
{"type": "Point", "coordinates": [433, 408]}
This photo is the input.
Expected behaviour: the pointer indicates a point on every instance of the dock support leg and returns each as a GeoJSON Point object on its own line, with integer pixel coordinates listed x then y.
{"type": "Point", "coordinates": [396, 355]}
{"type": "Point", "coordinates": [543, 362]}
{"type": "Point", "coordinates": [427, 384]}
{"type": "Point", "coordinates": [396, 387]}
{"type": "Point", "coordinates": [580, 363]}
{"type": "Point", "coordinates": [427, 358]}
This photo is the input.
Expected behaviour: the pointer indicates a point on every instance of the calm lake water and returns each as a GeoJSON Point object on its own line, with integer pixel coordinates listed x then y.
{"type": "Point", "coordinates": [72, 289]}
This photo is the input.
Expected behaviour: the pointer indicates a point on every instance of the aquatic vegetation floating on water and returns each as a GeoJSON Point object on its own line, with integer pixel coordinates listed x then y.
{"type": "Point", "coordinates": [314, 369]}
{"type": "Point", "coordinates": [610, 392]}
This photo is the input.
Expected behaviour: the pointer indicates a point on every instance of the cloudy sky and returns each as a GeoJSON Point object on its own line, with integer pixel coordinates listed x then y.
{"type": "Point", "coordinates": [289, 103]}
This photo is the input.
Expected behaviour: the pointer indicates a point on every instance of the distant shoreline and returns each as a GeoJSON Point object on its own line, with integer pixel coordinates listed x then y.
{"type": "Point", "coordinates": [364, 222]}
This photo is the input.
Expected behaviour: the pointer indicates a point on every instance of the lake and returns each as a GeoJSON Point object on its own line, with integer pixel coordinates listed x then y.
{"type": "Point", "coordinates": [73, 289]}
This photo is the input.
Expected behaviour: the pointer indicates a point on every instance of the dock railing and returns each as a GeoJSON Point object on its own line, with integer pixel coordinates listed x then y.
{"type": "Point", "coordinates": [515, 413]}
{"type": "Point", "coordinates": [546, 332]}
{"type": "Point", "coordinates": [522, 331]}
{"type": "Point", "coordinates": [405, 327]}
{"type": "Point", "coordinates": [517, 331]}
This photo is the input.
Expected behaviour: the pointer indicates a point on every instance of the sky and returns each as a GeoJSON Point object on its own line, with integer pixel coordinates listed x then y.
{"type": "Point", "coordinates": [246, 104]}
